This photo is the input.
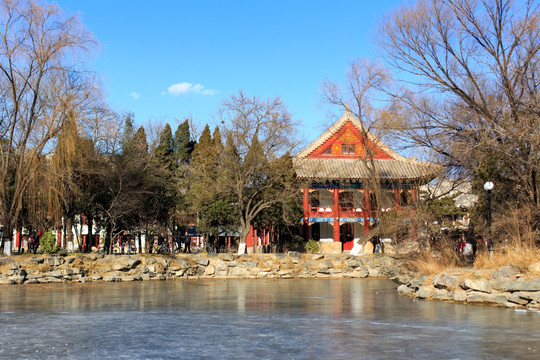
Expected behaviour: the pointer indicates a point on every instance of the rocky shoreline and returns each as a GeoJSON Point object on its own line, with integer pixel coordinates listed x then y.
{"type": "Point", "coordinates": [505, 287]}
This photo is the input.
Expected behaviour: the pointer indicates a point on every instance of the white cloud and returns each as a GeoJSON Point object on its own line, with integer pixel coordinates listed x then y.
{"type": "Point", "coordinates": [187, 88]}
{"type": "Point", "coordinates": [135, 95]}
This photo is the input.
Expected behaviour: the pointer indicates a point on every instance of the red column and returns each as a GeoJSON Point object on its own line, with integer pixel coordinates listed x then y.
{"type": "Point", "coordinates": [249, 240]}
{"type": "Point", "coordinates": [367, 211]}
{"type": "Point", "coordinates": [305, 222]}
{"type": "Point", "coordinates": [335, 214]}
{"type": "Point", "coordinates": [59, 237]}
{"type": "Point", "coordinates": [17, 238]}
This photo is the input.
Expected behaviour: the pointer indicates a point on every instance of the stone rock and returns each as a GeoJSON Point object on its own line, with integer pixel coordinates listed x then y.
{"type": "Point", "coordinates": [323, 270]}
{"type": "Point", "coordinates": [529, 296]}
{"type": "Point", "coordinates": [327, 263]}
{"type": "Point", "coordinates": [374, 272]}
{"type": "Point", "coordinates": [120, 267]}
{"type": "Point", "coordinates": [476, 297]}
{"type": "Point", "coordinates": [405, 290]}
{"type": "Point", "coordinates": [401, 279]}
{"type": "Point", "coordinates": [367, 248]}
{"type": "Point", "coordinates": [96, 277]}
{"type": "Point", "coordinates": [335, 271]}
{"type": "Point", "coordinates": [202, 261]}
{"type": "Point", "coordinates": [353, 263]}
{"type": "Point", "coordinates": [14, 266]}
{"type": "Point", "coordinates": [5, 260]}
{"type": "Point", "coordinates": [36, 260]}
{"type": "Point", "coordinates": [516, 298]}
{"type": "Point", "coordinates": [250, 264]}
{"type": "Point", "coordinates": [508, 271]}
{"type": "Point", "coordinates": [151, 268]}
{"type": "Point", "coordinates": [164, 262]}
{"type": "Point", "coordinates": [424, 292]}
{"type": "Point", "coordinates": [523, 285]}
{"type": "Point", "coordinates": [442, 294]}
{"type": "Point", "coordinates": [18, 279]}
{"type": "Point", "coordinates": [317, 256]}
{"type": "Point", "coordinates": [460, 295]}
{"type": "Point", "coordinates": [361, 273]}
{"type": "Point", "coordinates": [227, 257]}
{"type": "Point", "coordinates": [55, 274]}
{"type": "Point", "coordinates": [209, 270]}
{"type": "Point", "coordinates": [481, 285]}
{"type": "Point", "coordinates": [293, 254]}
{"type": "Point", "coordinates": [407, 247]}
{"type": "Point", "coordinates": [131, 262]}
{"type": "Point", "coordinates": [238, 271]}
{"type": "Point", "coordinates": [284, 272]}
{"type": "Point", "coordinates": [417, 282]}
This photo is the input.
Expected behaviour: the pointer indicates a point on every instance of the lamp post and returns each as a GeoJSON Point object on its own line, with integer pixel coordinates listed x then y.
{"type": "Point", "coordinates": [488, 186]}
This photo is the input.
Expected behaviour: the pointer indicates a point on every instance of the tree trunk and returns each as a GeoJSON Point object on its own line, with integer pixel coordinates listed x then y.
{"type": "Point", "coordinates": [7, 236]}
{"type": "Point", "coordinates": [89, 236]}
{"type": "Point", "coordinates": [68, 234]}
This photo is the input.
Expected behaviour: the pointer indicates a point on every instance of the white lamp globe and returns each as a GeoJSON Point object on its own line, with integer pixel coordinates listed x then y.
{"type": "Point", "coordinates": [488, 186]}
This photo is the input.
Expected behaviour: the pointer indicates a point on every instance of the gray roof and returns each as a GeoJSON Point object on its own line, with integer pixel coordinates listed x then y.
{"type": "Point", "coordinates": [357, 169]}
{"type": "Point", "coordinates": [329, 168]}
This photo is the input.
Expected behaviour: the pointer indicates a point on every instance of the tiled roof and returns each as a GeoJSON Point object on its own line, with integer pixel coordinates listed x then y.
{"type": "Point", "coordinates": [347, 117]}
{"type": "Point", "coordinates": [396, 168]}
{"type": "Point", "coordinates": [338, 169]}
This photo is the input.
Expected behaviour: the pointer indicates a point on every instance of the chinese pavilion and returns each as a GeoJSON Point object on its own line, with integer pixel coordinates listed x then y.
{"type": "Point", "coordinates": [341, 168]}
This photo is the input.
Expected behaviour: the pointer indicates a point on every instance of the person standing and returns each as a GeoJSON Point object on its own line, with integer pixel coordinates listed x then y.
{"type": "Point", "coordinates": [187, 243]}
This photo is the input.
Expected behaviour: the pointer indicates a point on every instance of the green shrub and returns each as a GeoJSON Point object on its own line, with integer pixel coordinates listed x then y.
{"type": "Point", "coordinates": [47, 243]}
{"type": "Point", "coordinates": [312, 246]}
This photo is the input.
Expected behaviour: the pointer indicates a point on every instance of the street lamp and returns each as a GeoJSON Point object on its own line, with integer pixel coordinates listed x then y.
{"type": "Point", "coordinates": [488, 186]}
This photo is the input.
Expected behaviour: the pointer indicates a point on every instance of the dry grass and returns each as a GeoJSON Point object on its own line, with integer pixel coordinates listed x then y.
{"type": "Point", "coordinates": [522, 257]}
{"type": "Point", "coordinates": [431, 263]}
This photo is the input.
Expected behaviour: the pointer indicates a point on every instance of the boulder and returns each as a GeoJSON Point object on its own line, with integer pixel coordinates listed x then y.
{"type": "Point", "coordinates": [405, 290]}
{"type": "Point", "coordinates": [317, 256]}
{"type": "Point", "coordinates": [361, 273]}
{"type": "Point", "coordinates": [202, 261]}
{"type": "Point", "coordinates": [209, 270]}
{"type": "Point", "coordinates": [523, 285]}
{"type": "Point", "coordinates": [516, 298]}
{"type": "Point", "coordinates": [401, 279]}
{"type": "Point", "coordinates": [445, 281]}
{"type": "Point", "coordinates": [294, 254]}
{"type": "Point", "coordinates": [367, 248]}
{"type": "Point", "coordinates": [323, 270]}
{"type": "Point", "coordinates": [442, 294]}
{"type": "Point", "coordinates": [481, 285]}
{"type": "Point", "coordinates": [120, 267]}
{"type": "Point", "coordinates": [529, 296]}
{"type": "Point", "coordinates": [424, 292]}
{"type": "Point", "coordinates": [460, 295]}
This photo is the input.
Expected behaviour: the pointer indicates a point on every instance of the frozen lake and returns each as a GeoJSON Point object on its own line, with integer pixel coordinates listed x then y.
{"type": "Point", "coordinates": [254, 319]}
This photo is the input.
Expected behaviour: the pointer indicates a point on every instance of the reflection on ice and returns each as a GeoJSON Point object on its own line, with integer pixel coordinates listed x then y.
{"type": "Point", "coordinates": [246, 319]}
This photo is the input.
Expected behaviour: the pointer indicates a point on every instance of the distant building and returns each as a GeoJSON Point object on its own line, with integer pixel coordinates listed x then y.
{"type": "Point", "coordinates": [341, 167]}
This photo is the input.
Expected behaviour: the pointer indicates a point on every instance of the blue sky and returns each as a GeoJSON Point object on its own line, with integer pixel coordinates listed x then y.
{"type": "Point", "coordinates": [164, 60]}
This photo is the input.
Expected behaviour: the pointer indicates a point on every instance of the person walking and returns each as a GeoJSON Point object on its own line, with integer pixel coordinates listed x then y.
{"type": "Point", "coordinates": [187, 243]}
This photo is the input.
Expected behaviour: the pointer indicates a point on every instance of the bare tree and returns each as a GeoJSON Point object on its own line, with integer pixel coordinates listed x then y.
{"type": "Point", "coordinates": [38, 49]}
{"type": "Point", "coordinates": [472, 70]}
{"type": "Point", "coordinates": [256, 167]}
{"type": "Point", "coordinates": [365, 95]}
